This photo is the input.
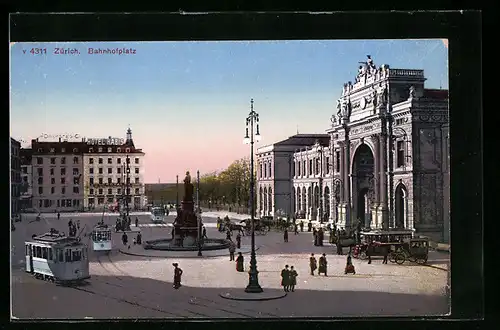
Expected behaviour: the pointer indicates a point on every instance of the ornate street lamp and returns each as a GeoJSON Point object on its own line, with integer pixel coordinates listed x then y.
{"type": "Point", "coordinates": [253, 118]}
{"type": "Point", "coordinates": [197, 211]}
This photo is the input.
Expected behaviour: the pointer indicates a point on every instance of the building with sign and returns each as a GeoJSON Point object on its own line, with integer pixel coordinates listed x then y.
{"type": "Point", "coordinates": [57, 169]}
{"type": "Point", "coordinates": [388, 153]}
{"type": "Point", "coordinates": [15, 175]}
{"type": "Point", "coordinates": [26, 188]}
{"type": "Point", "coordinates": [105, 164]}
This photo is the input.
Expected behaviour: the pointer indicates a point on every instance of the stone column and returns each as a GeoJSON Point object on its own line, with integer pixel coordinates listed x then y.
{"type": "Point", "coordinates": [383, 182]}
{"type": "Point", "coordinates": [376, 181]}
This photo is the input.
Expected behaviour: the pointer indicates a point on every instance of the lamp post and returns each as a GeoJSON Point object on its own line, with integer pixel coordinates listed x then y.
{"type": "Point", "coordinates": [177, 192]}
{"type": "Point", "coordinates": [253, 279]}
{"type": "Point", "coordinates": [197, 211]}
{"type": "Point", "coordinates": [337, 184]}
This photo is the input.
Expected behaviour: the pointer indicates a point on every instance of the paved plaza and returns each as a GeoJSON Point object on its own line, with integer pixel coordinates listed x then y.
{"type": "Point", "coordinates": [126, 286]}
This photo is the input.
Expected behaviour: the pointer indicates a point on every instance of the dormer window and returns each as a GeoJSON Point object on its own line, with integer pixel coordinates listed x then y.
{"type": "Point", "coordinates": [118, 149]}
{"type": "Point", "coordinates": [75, 150]}
{"type": "Point", "coordinates": [40, 150]}
{"type": "Point", "coordinates": [91, 149]}
{"type": "Point", "coordinates": [100, 149]}
{"type": "Point", "coordinates": [127, 149]}
{"type": "Point", "coordinates": [63, 149]}
{"type": "Point", "coordinates": [109, 150]}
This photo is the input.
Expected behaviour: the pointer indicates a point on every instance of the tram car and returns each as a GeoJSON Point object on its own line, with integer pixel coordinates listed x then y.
{"type": "Point", "coordinates": [158, 214]}
{"type": "Point", "coordinates": [58, 258]}
{"type": "Point", "coordinates": [101, 238]}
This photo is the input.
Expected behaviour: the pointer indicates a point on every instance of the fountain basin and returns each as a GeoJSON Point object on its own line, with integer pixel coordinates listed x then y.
{"type": "Point", "coordinates": [164, 244]}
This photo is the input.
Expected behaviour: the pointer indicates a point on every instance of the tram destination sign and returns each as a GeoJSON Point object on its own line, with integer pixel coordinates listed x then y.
{"type": "Point", "coordinates": [109, 141]}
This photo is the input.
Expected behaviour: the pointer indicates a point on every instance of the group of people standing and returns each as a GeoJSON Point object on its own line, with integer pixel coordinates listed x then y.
{"type": "Point", "coordinates": [289, 279]}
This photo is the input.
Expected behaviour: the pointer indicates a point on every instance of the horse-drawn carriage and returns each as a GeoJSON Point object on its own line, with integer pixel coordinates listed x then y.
{"type": "Point", "coordinates": [413, 250]}
{"type": "Point", "coordinates": [261, 227]}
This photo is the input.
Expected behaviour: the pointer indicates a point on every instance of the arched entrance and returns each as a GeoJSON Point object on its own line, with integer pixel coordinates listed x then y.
{"type": "Point", "coordinates": [400, 206]}
{"type": "Point", "coordinates": [309, 201]}
{"type": "Point", "coordinates": [304, 200]}
{"type": "Point", "coordinates": [327, 201]}
{"type": "Point", "coordinates": [265, 201]}
{"type": "Point", "coordinates": [315, 214]}
{"type": "Point", "coordinates": [261, 200]}
{"type": "Point", "coordinates": [363, 166]}
{"type": "Point", "coordinates": [270, 202]}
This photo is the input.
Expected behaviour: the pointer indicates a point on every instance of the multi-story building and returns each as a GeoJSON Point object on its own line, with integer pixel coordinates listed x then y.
{"type": "Point", "coordinates": [15, 175]}
{"type": "Point", "coordinates": [275, 168]}
{"type": "Point", "coordinates": [388, 153]}
{"type": "Point", "coordinates": [57, 175]}
{"type": "Point", "coordinates": [105, 167]}
{"type": "Point", "coordinates": [26, 198]}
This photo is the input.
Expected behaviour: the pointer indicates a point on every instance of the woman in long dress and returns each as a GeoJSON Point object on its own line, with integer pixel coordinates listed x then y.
{"type": "Point", "coordinates": [293, 278]}
{"type": "Point", "coordinates": [239, 262]}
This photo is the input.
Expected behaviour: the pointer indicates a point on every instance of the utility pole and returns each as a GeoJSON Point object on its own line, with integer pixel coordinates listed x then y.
{"type": "Point", "coordinates": [197, 211]}
{"type": "Point", "coordinates": [177, 189]}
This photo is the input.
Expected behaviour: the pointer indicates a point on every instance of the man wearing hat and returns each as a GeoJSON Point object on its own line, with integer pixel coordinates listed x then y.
{"type": "Point", "coordinates": [177, 275]}
{"type": "Point", "coordinates": [322, 265]}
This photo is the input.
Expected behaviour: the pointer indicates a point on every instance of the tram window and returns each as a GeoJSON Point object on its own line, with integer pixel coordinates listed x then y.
{"type": "Point", "coordinates": [38, 252]}
{"type": "Point", "coordinates": [67, 255]}
{"type": "Point", "coordinates": [60, 255]}
{"type": "Point", "coordinates": [83, 253]}
{"type": "Point", "coordinates": [28, 249]}
{"type": "Point", "coordinates": [77, 255]}
{"type": "Point", "coordinates": [44, 253]}
{"type": "Point", "coordinates": [94, 236]}
{"type": "Point", "coordinates": [50, 254]}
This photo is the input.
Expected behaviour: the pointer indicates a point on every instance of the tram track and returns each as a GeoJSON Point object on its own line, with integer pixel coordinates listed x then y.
{"type": "Point", "coordinates": [195, 301]}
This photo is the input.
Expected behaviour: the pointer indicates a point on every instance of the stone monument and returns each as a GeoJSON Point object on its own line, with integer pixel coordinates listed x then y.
{"type": "Point", "coordinates": [186, 223]}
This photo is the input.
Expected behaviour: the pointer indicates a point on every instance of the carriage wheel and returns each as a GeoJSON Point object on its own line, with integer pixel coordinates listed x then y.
{"type": "Point", "coordinates": [392, 257]}
{"type": "Point", "coordinates": [400, 258]}
{"type": "Point", "coordinates": [422, 261]}
{"type": "Point", "coordinates": [363, 255]}
{"type": "Point", "coordinates": [412, 259]}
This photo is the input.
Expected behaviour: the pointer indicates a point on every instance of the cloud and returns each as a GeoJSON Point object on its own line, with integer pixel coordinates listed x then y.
{"type": "Point", "coordinates": [445, 42]}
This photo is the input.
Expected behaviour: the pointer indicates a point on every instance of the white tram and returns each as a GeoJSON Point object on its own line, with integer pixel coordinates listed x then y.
{"type": "Point", "coordinates": [101, 238]}
{"type": "Point", "coordinates": [158, 214]}
{"type": "Point", "coordinates": [58, 258]}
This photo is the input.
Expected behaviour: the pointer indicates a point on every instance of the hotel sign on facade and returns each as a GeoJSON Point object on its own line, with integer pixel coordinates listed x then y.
{"type": "Point", "coordinates": [110, 141]}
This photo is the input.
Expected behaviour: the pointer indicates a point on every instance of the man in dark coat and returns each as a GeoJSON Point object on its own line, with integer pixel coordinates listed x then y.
{"type": "Point", "coordinates": [177, 276]}
{"type": "Point", "coordinates": [285, 278]}
{"type": "Point", "coordinates": [323, 265]}
{"type": "Point", "coordinates": [232, 250]}
{"type": "Point", "coordinates": [293, 278]}
{"type": "Point", "coordinates": [124, 238]}
{"type": "Point", "coordinates": [238, 241]}
{"type": "Point", "coordinates": [386, 254]}
{"type": "Point", "coordinates": [312, 263]}
{"type": "Point", "coordinates": [204, 232]}
{"type": "Point", "coordinates": [315, 236]}
{"type": "Point", "coordinates": [302, 226]}
{"type": "Point", "coordinates": [285, 235]}
{"type": "Point", "coordinates": [309, 226]}
{"type": "Point", "coordinates": [139, 238]}
{"type": "Point", "coordinates": [136, 221]}
{"type": "Point", "coordinates": [320, 237]}
{"type": "Point", "coordinates": [369, 249]}
{"type": "Point", "coordinates": [239, 263]}
{"type": "Point", "coordinates": [295, 229]}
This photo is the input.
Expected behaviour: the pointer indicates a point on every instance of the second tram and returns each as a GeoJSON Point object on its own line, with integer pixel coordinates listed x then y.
{"type": "Point", "coordinates": [101, 238]}
{"type": "Point", "coordinates": [158, 214]}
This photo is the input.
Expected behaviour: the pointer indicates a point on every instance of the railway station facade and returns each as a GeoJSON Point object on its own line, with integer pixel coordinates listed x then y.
{"type": "Point", "coordinates": [385, 161]}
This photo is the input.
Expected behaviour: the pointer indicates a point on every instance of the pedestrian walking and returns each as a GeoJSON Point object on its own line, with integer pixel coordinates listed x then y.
{"type": "Point", "coordinates": [124, 238]}
{"type": "Point", "coordinates": [302, 226]}
{"type": "Point", "coordinates": [139, 238]}
{"type": "Point", "coordinates": [285, 278]}
{"type": "Point", "coordinates": [309, 226]}
{"type": "Point", "coordinates": [239, 263]}
{"type": "Point", "coordinates": [293, 278]}
{"type": "Point", "coordinates": [349, 267]}
{"type": "Point", "coordinates": [285, 235]}
{"type": "Point", "coordinates": [312, 263]}
{"type": "Point", "coordinates": [386, 254]}
{"type": "Point", "coordinates": [322, 265]}
{"type": "Point", "coordinates": [369, 252]}
{"type": "Point", "coordinates": [136, 221]}
{"type": "Point", "coordinates": [177, 276]}
{"type": "Point", "coordinates": [315, 236]}
{"type": "Point", "coordinates": [58, 215]}
{"type": "Point", "coordinates": [238, 241]}
{"type": "Point", "coordinates": [204, 233]}
{"type": "Point", "coordinates": [295, 229]}
{"type": "Point", "coordinates": [232, 250]}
